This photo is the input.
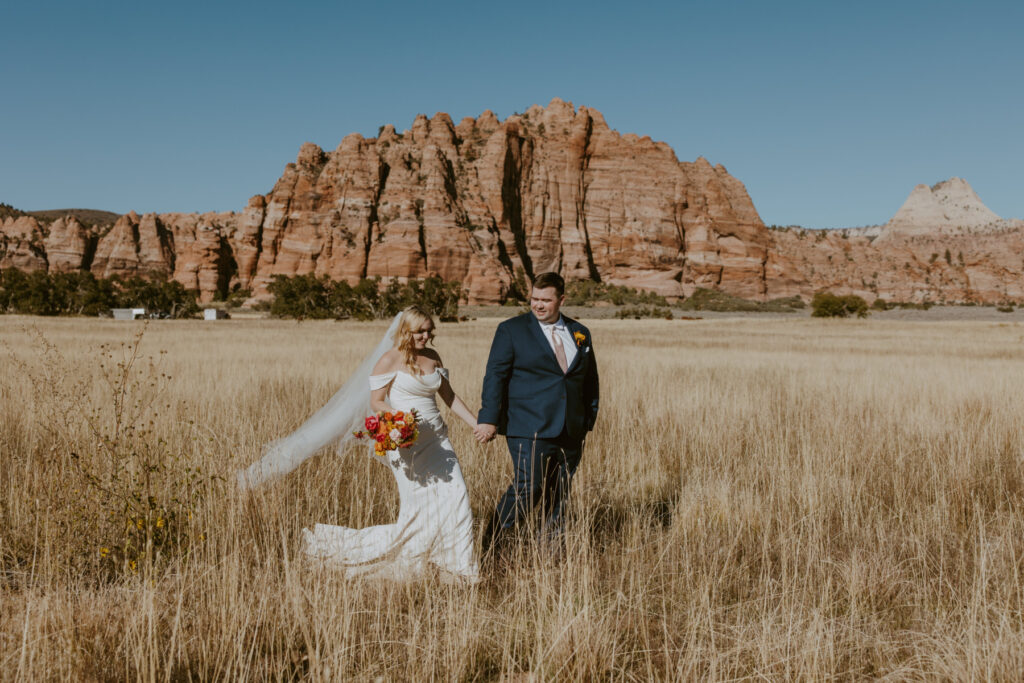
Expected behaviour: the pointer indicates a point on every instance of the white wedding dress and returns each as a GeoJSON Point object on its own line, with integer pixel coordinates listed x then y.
{"type": "Point", "coordinates": [435, 524]}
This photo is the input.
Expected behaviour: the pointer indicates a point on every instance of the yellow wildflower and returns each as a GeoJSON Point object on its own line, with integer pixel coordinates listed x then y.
{"type": "Point", "coordinates": [104, 552]}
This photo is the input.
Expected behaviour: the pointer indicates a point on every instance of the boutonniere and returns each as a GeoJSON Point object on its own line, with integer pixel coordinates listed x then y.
{"type": "Point", "coordinates": [579, 337]}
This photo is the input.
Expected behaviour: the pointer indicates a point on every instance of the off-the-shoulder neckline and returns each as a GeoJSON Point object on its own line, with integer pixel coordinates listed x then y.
{"type": "Point", "coordinates": [395, 372]}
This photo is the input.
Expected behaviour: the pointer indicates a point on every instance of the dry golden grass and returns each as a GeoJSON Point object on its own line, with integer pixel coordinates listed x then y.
{"type": "Point", "coordinates": [766, 500]}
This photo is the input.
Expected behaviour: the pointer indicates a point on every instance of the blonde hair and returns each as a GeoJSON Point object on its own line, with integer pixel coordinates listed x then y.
{"type": "Point", "coordinates": [411, 321]}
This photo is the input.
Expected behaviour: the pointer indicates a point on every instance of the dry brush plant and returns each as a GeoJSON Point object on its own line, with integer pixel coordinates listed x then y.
{"type": "Point", "coordinates": [108, 493]}
{"type": "Point", "coordinates": [762, 499]}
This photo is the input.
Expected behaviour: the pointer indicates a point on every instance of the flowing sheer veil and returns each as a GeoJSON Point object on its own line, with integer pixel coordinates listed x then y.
{"type": "Point", "coordinates": [336, 421]}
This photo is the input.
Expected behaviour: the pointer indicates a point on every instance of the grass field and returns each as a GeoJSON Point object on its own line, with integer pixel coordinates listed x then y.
{"type": "Point", "coordinates": [762, 499]}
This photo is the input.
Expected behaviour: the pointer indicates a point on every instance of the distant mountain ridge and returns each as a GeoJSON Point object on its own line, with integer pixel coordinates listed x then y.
{"type": "Point", "coordinates": [943, 244]}
{"type": "Point", "coordinates": [89, 216]}
{"type": "Point", "coordinates": [949, 207]}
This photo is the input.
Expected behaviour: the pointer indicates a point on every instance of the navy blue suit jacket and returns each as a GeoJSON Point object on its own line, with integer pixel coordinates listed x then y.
{"type": "Point", "coordinates": [525, 392]}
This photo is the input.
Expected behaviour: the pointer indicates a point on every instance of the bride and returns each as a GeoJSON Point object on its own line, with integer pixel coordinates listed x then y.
{"type": "Point", "coordinates": [435, 525]}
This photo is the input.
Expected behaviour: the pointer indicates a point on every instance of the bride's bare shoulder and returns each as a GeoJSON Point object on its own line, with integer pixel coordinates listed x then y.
{"type": "Point", "coordinates": [389, 362]}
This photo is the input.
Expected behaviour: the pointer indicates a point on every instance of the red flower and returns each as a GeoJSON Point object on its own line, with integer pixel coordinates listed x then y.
{"type": "Point", "coordinates": [381, 438]}
{"type": "Point", "coordinates": [372, 423]}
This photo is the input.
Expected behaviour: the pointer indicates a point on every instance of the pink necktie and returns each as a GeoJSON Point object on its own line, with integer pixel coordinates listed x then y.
{"type": "Point", "coordinates": [559, 351]}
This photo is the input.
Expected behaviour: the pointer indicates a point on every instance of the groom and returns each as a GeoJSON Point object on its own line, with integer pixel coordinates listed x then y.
{"type": "Point", "coordinates": [541, 392]}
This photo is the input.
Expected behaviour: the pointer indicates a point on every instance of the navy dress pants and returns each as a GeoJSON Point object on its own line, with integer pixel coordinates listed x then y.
{"type": "Point", "coordinates": [542, 473]}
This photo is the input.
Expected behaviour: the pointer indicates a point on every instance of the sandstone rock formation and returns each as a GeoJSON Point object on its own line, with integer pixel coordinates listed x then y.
{"type": "Point", "coordinates": [485, 202]}
{"type": "Point", "coordinates": [490, 203]}
{"type": "Point", "coordinates": [949, 207]}
{"type": "Point", "coordinates": [70, 245]}
{"type": "Point", "coordinates": [191, 248]}
{"type": "Point", "coordinates": [21, 244]}
{"type": "Point", "coordinates": [943, 245]}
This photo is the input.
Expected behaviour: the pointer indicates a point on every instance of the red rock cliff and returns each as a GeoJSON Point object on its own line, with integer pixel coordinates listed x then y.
{"type": "Point", "coordinates": [491, 202]}
{"type": "Point", "coordinates": [486, 202]}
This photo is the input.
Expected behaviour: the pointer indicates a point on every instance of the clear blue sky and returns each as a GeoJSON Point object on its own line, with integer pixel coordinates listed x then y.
{"type": "Point", "coordinates": [829, 112]}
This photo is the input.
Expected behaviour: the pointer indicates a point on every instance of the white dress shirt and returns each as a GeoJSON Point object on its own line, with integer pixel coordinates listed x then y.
{"type": "Point", "coordinates": [568, 343]}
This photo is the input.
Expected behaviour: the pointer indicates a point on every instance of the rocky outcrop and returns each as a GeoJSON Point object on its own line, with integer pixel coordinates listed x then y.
{"type": "Point", "coordinates": [21, 244]}
{"type": "Point", "coordinates": [491, 203]}
{"type": "Point", "coordinates": [943, 245]}
{"type": "Point", "coordinates": [486, 202]}
{"type": "Point", "coordinates": [949, 207]}
{"type": "Point", "coordinates": [203, 256]}
{"type": "Point", "coordinates": [70, 245]}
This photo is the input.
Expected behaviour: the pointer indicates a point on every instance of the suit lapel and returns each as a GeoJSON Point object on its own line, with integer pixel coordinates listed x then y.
{"type": "Point", "coordinates": [538, 335]}
{"type": "Point", "coordinates": [573, 328]}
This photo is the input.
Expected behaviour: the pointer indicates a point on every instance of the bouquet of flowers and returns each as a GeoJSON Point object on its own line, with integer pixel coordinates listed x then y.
{"type": "Point", "coordinates": [390, 431]}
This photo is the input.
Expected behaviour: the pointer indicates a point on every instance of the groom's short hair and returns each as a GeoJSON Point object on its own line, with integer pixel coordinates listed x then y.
{"type": "Point", "coordinates": [545, 280]}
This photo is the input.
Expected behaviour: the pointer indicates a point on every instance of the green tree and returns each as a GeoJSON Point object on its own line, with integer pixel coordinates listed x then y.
{"type": "Point", "coordinates": [300, 296]}
{"type": "Point", "coordinates": [306, 296]}
{"type": "Point", "coordinates": [167, 298]}
{"type": "Point", "coordinates": [82, 293]}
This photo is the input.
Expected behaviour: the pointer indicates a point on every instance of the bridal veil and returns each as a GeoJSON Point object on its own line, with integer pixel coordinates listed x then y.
{"type": "Point", "coordinates": [340, 416]}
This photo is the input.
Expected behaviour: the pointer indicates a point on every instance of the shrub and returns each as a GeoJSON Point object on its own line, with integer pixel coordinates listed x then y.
{"type": "Point", "coordinates": [1005, 309]}
{"type": "Point", "coordinates": [829, 305]}
{"type": "Point", "coordinates": [639, 312]}
{"type": "Point", "coordinates": [588, 292]}
{"type": "Point", "coordinates": [308, 296]}
{"type": "Point", "coordinates": [911, 305]}
{"type": "Point", "coordinates": [237, 296]}
{"type": "Point", "coordinates": [714, 300]}
{"type": "Point", "coordinates": [880, 305]}
{"type": "Point", "coordinates": [793, 302]}
{"type": "Point", "coordinates": [126, 504]}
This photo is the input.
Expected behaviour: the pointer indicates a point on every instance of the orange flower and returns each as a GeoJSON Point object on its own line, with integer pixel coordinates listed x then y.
{"type": "Point", "coordinates": [392, 430]}
{"type": "Point", "coordinates": [579, 337]}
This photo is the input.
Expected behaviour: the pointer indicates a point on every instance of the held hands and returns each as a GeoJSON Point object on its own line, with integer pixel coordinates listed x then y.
{"type": "Point", "coordinates": [484, 432]}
